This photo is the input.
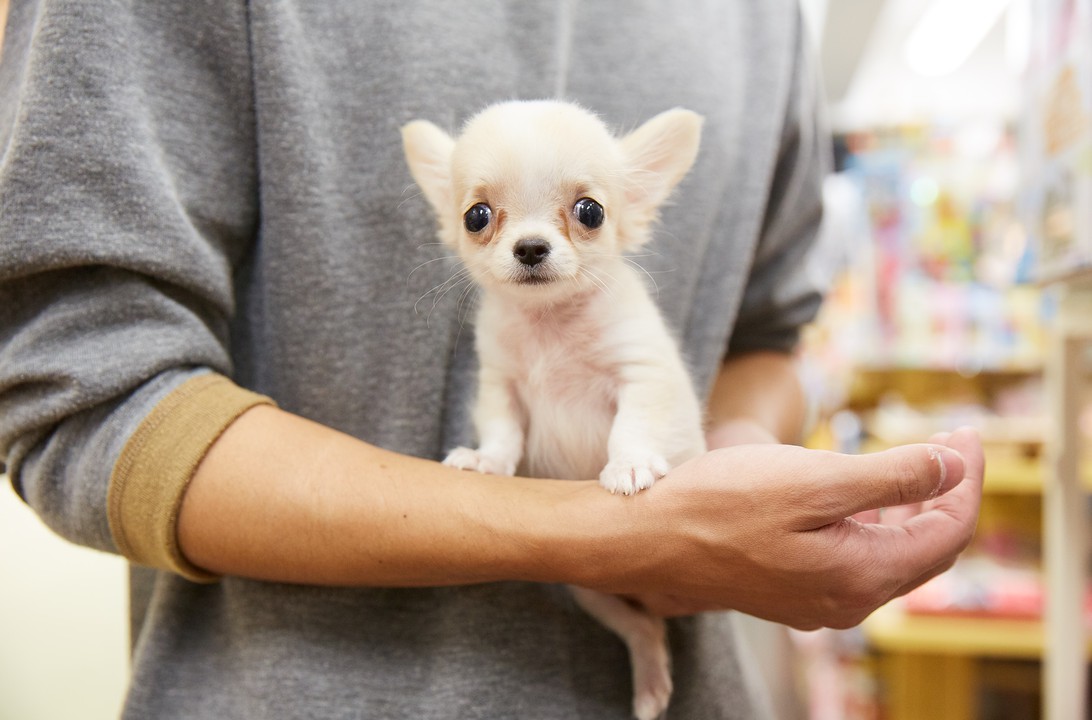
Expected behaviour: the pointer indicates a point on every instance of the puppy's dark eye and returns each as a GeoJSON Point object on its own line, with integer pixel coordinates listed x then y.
{"type": "Point", "coordinates": [477, 217]}
{"type": "Point", "coordinates": [588, 212]}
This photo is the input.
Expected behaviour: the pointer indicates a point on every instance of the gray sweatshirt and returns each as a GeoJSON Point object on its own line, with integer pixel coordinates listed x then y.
{"type": "Point", "coordinates": [205, 188]}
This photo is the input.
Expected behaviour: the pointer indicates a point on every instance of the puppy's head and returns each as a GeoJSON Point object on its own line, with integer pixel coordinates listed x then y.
{"type": "Point", "coordinates": [536, 196]}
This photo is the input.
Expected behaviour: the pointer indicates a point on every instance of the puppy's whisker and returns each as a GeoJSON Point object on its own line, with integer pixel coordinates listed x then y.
{"type": "Point", "coordinates": [457, 275]}
{"type": "Point", "coordinates": [439, 291]}
{"type": "Point", "coordinates": [632, 261]}
{"type": "Point", "coordinates": [451, 284]}
{"type": "Point", "coordinates": [407, 197]}
{"type": "Point", "coordinates": [464, 311]}
{"type": "Point", "coordinates": [598, 281]}
{"type": "Point", "coordinates": [650, 253]}
{"type": "Point", "coordinates": [460, 277]}
{"type": "Point", "coordinates": [639, 266]}
{"type": "Point", "coordinates": [460, 305]}
{"type": "Point", "coordinates": [429, 262]}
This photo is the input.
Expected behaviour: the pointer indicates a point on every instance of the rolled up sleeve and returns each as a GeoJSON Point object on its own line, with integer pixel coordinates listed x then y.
{"type": "Point", "coordinates": [783, 293]}
{"type": "Point", "coordinates": [128, 200]}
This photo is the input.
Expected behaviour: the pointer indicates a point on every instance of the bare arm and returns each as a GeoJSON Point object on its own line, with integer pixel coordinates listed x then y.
{"type": "Point", "coordinates": [756, 398]}
{"type": "Point", "coordinates": [281, 498]}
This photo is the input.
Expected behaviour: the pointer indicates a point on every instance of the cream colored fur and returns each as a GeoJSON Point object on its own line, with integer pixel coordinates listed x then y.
{"type": "Point", "coordinates": [579, 376]}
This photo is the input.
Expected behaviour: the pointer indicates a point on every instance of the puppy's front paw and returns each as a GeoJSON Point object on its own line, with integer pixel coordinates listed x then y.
{"type": "Point", "coordinates": [467, 459]}
{"type": "Point", "coordinates": [629, 476]}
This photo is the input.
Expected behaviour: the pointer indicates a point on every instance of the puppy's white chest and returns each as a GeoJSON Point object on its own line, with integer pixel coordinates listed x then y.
{"type": "Point", "coordinates": [563, 372]}
{"type": "Point", "coordinates": [567, 387]}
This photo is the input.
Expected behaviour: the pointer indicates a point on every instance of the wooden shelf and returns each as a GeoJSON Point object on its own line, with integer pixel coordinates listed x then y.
{"type": "Point", "coordinates": [994, 431]}
{"type": "Point", "coordinates": [932, 665]}
{"type": "Point", "coordinates": [1014, 475]}
{"type": "Point", "coordinates": [869, 384]}
{"type": "Point", "coordinates": [881, 369]}
{"type": "Point", "coordinates": [891, 629]}
{"type": "Point", "coordinates": [1023, 475]}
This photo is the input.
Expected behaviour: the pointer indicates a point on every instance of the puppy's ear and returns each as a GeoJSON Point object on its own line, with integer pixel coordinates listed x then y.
{"type": "Point", "coordinates": [659, 154]}
{"type": "Point", "coordinates": [428, 154]}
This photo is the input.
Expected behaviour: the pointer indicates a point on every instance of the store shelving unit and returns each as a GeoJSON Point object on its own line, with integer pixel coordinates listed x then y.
{"type": "Point", "coordinates": [931, 665]}
{"type": "Point", "coordinates": [1056, 169]}
{"type": "Point", "coordinates": [939, 666]}
{"type": "Point", "coordinates": [1065, 508]}
{"type": "Point", "coordinates": [926, 320]}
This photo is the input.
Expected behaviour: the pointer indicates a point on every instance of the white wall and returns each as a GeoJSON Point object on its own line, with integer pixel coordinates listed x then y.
{"type": "Point", "coordinates": [63, 622]}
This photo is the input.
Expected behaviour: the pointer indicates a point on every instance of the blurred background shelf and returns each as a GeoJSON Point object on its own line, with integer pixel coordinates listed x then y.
{"type": "Point", "coordinates": [935, 667]}
{"type": "Point", "coordinates": [892, 629]}
{"type": "Point", "coordinates": [962, 192]}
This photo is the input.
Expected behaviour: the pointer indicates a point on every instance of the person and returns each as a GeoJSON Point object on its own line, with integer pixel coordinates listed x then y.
{"type": "Point", "coordinates": [232, 352]}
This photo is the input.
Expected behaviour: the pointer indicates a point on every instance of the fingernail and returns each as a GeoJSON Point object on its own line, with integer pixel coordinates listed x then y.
{"type": "Point", "coordinates": [951, 467]}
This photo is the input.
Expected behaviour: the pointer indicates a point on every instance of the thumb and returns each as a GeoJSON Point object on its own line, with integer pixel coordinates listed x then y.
{"type": "Point", "coordinates": [899, 476]}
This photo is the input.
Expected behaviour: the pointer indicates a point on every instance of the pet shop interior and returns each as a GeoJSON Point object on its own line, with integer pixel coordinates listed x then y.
{"type": "Point", "coordinates": [958, 229]}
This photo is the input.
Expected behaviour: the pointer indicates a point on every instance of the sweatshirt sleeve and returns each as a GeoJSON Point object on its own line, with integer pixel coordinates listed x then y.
{"type": "Point", "coordinates": [155, 466]}
{"type": "Point", "coordinates": [127, 198]}
{"type": "Point", "coordinates": [783, 292]}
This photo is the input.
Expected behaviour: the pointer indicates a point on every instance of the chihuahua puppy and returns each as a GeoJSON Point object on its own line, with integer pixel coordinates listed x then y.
{"type": "Point", "coordinates": [579, 376]}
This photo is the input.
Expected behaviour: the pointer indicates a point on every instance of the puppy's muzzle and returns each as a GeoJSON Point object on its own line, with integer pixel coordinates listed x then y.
{"type": "Point", "coordinates": [530, 251]}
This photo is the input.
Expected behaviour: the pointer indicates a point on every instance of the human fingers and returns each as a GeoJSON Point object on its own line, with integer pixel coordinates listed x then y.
{"type": "Point", "coordinates": [868, 516]}
{"type": "Point", "coordinates": [901, 513]}
{"type": "Point", "coordinates": [961, 505]}
{"type": "Point", "coordinates": [965, 499]}
{"type": "Point", "coordinates": [926, 577]}
{"type": "Point", "coordinates": [926, 544]}
{"type": "Point", "coordinates": [940, 438]}
{"type": "Point", "coordinates": [877, 563]}
{"type": "Point", "coordinates": [841, 486]}
{"type": "Point", "coordinates": [967, 442]}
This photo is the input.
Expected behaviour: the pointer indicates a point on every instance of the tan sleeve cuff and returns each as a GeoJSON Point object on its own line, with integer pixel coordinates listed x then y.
{"type": "Point", "coordinates": [156, 464]}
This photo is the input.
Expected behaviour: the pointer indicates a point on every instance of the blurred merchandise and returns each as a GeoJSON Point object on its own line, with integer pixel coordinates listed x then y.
{"type": "Point", "coordinates": [985, 586]}
{"type": "Point", "coordinates": [1056, 138]}
{"type": "Point", "coordinates": [945, 228]}
{"type": "Point", "coordinates": [936, 273]}
{"type": "Point", "coordinates": [934, 323]}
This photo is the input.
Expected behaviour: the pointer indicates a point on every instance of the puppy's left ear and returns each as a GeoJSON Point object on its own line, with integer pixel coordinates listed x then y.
{"type": "Point", "coordinates": [659, 154]}
{"type": "Point", "coordinates": [428, 153]}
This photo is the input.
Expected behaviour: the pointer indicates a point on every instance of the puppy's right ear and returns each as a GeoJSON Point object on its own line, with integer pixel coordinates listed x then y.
{"type": "Point", "coordinates": [428, 154]}
{"type": "Point", "coordinates": [660, 153]}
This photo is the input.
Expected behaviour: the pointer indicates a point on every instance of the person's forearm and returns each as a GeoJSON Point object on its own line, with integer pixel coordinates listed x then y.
{"type": "Point", "coordinates": [281, 498]}
{"type": "Point", "coordinates": [756, 389]}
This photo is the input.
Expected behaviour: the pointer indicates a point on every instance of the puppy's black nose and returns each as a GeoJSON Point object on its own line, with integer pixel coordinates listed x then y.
{"type": "Point", "coordinates": [531, 251]}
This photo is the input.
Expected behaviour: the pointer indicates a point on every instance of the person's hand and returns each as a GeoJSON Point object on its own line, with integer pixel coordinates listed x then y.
{"type": "Point", "coordinates": [901, 513]}
{"type": "Point", "coordinates": [778, 532]}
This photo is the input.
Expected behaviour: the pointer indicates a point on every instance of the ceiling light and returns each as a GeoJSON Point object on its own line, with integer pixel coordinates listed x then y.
{"type": "Point", "coordinates": [1018, 35]}
{"type": "Point", "coordinates": [948, 33]}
